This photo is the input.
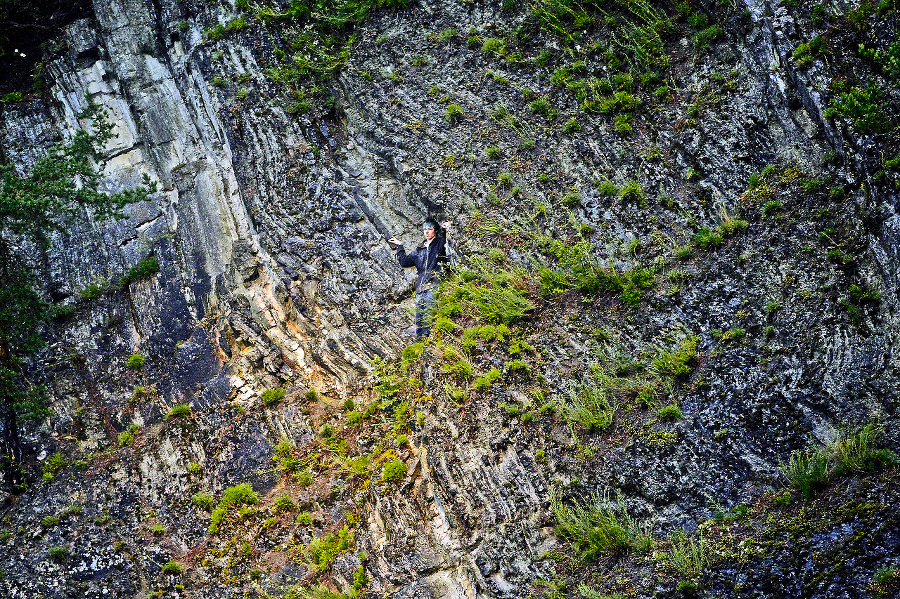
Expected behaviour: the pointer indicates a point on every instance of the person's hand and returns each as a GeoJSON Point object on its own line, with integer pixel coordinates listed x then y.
{"type": "Point", "coordinates": [394, 241]}
{"type": "Point", "coordinates": [446, 225]}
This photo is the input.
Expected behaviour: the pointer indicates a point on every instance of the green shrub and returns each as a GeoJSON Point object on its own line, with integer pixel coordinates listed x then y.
{"type": "Point", "coordinates": [54, 463]}
{"type": "Point", "coordinates": [453, 113]}
{"type": "Point", "coordinates": [571, 126]}
{"type": "Point", "coordinates": [394, 470]}
{"type": "Point", "coordinates": [217, 516]}
{"type": "Point", "coordinates": [271, 396]}
{"type": "Point", "coordinates": [50, 521]}
{"type": "Point", "coordinates": [284, 457]}
{"type": "Point", "coordinates": [732, 226]}
{"type": "Point", "coordinates": [608, 188]}
{"type": "Point", "coordinates": [863, 296]}
{"type": "Point", "coordinates": [484, 382]}
{"type": "Point", "coordinates": [702, 39]}
{"type": "Point", "coordinates": [511, 409]}
{"type": "Point", "coordinates": [135, 362]}
{"type": "Point", "coordinates": [235, 496]}
{"type": "Point", "coordinates": [735, 334]}
{"type": "Point", "coordinates": [447, 34]}
{"type": "Point", "coordinates": [865, 107]}
{"type": "Point", "coordinates": [246, 513]}
{"type": "Point", "coordinates": [203, 500]}
{"type": "Point", "coordinates": [177, 411]}
{"type": "Point", "coordinates": [143, 269]}
{"type": "Point", "coordinates": [92, 291]}
{"type": "Point", "coordinates": [622, 123]}
{"type": "Point", "coordinates": [172, 567]}
{"type": "Point", "coordinates": [486, 294]}
{"type": "Point", "coordinates": [58, 554]}
{"type": "Point", "coordinates": [540, 105]}
{"type": "Point", "coordinates": [586, 592]}
{"type": "Point", "coordinates": [570, 199]}
{"type": "Point", "coordinates": [632, 192]}
{"type": "Point", "coordinates": [411, 353]}
{"type": "Point", "coordinates": [884, 575]}
{"type": "Point", "coordinates": [684, 252]}
{"type": "Point", "coordinates": [670, 412]}
{"type": "Point", "coordinates": [517, 365]}
{"type": "Point", "coordinates": [621, 101]}
{"type": "Point", "coordinates": [127, 436]}
{"type": "Point", "coordinates": [304, 478]}
{"type": "Point", "coordinates": [304, 519]}
{"type": "Point", "coordinates": [242, 494]}
{"type": "Point", "coordinates": [322, 551]}
{"type": "Point", "coordinates": [463, 369]}
{"type": "Point", "coordinates": [493, 45]}
{"type": "Point", "coordinates": [215, 33]}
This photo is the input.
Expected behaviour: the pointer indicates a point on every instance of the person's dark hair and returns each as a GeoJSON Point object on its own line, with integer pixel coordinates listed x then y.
{"type": "Point", "coordinates": [429, 223]}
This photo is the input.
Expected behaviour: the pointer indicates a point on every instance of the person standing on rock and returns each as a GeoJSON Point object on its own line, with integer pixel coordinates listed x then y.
{"type": "Point", "coordinates": [430, 259]}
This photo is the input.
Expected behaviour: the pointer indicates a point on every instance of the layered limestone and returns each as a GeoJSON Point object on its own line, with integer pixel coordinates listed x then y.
{"type": "Point", "coordinates": [269, 229]}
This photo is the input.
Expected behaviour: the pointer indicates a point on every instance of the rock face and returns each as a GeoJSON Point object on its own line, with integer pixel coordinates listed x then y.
{"type": "Point", "coordinates": [269, 228]}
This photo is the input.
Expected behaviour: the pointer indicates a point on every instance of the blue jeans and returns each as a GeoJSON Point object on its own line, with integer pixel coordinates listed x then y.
{"type": "Point", "coordinates": [424, 302]}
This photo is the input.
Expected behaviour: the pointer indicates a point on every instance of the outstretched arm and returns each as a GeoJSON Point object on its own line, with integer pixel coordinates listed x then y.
{"type": "Point", "coordinates": [402, 257]}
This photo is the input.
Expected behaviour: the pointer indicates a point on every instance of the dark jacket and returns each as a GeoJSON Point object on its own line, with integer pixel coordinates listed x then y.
{"type": "Point", "coordinates": [430, 262]}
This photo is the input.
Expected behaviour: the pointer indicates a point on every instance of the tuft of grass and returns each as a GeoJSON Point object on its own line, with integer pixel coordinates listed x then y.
{"type": "Point", "coordinates": [587, 408]}
{"type": "Point", "coordinates": [486, 294]}
{"type": "Point", "coordinates": [707, 238]}
{"type": "Point", "coordinates": [687, 554]}
{"type": "Point", "coordinates": [285, 503]}
{"type": "Point", "coordinates": [135, 361]}
{"type": "Point", "coordinates": [127, 436]}
{"type": "Point", "coordinates": [608, 188]}
{"type": "Point", "coordinates": [236, 496]}
{"type": "Point", "coordinates": [599, 527]}
{"type": "Point", "coordinates": [852, 453]}
{"type": "Point", "coordinates": [50, 521]}
{"type": "Point", "coordinates": [677, 362]}
{"type": "Point", "coordinates": [634, 193]}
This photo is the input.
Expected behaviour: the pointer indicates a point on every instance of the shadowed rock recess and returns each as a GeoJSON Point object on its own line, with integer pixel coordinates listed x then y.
{"type": "Point", "coordinates": [667, 364]}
